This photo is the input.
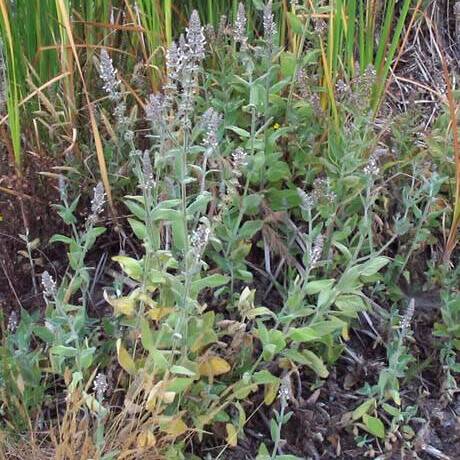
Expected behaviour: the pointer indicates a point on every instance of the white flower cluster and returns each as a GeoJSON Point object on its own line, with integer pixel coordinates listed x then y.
{"type": "Point", "coordinates": [49, 286]}
{"type": "Point", "coordinates": [108, 74]}
{"type": "Point", "coordinates": [316, 251]}
{"type": "Point", "coordinates": [239, 28]}
{"type": "Point", "coordinates": [211, 122]}
{"type": "Point", "coordinates": [199, 240]}
{"type": "Point", "coordinates": [269, 24]}
{"type": "Point", "coordinates": [100, 386]}
{"type": "Point", "coordinates": [97, 204]}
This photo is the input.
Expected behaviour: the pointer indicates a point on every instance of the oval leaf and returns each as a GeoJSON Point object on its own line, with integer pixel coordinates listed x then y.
{"type": "Point", "coordinates": [213, 366]}
{"type": "Point", "coordinates": [125, 360]}
{"type": "Point", "coordinates": [374, 426]}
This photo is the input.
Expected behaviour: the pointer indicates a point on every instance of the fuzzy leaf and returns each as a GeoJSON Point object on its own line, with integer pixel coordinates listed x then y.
{"type": "Point", "coordinates": [166, 214]}
{"type": "Point", "coordinates": [146, 439]}
{"type": "Point", "coordinates": [241, 132]}
{"type": "Point", "coordinates": [287, 457]}
{"type": "Point", "coordinates": [232, 435]}
{"type": "Point", "coordinates": [178, 233]}
{"type": "Point", "coordinates": [374, 426]}
{"type": "Point", "coordinates": [249, 229]}
{"type": "Point", "coordinates": [270, 392]}
{"type": "Point", "coordinates": [257, 96]}
{"type": "Point", "coordinates": [303, 334]}
{"type": "Point", "coordinates": [264, 377]}
{"type": "Point", "coordinates": [136, 209]}
{"type": "Point", "coordinates": [62, 350]}
{"type": "Point", "coordinates": [295, 23]}
{"type": "Point", "coordinates": [158, 313]}
{"type": "Point", "coordinates": [122, 305]}
{"type": "Point", "coordinates": [181, 370]}
{"type": "Point", "coordinates": [139, 228]}
{"type": "Point", "coordinates": [258, 311]}
{"type": "Point", "coordinates": [288, 63]}
{"type": "Point", "coordinates": [158, 358]}
{"type": "Point", "coordinates": [251, 203]}
{"type": "Point", "coordinates": [211, 281]}
{"type": "Point", "coordinates": [310, 359]}
{"type": "Point", "coordinates": [176, 427]}
{"type": "Point", "coordinates": [363, 408]}
{"type": "Point", "coordinates": [125, 360]}
{"type": "Point", "coordinates": [329, 326]}
{"type": "Point", "coordinates": [130, 266]}
{"type": "Point", "coordinates": [350, 304]}
{"type": "Point", "coordinates": [146, 335]}
{"type": "Point", "coordinates": [179, 384]}
{"type": "Point", "coordinates": [60, 239]}
{"type": "Point", "coordinates": [44, 333]}
{"type": "Point", "coordinates": [263, 453]}
{"type": "Point", "coordinates": [200, 203]}
{"type": "Point", "coordinates": [373, 266]}
{"type": "Point", "coordinates": [315, 287]}
{"type": "Point", "coordinates": [316, 363]}
{"type": "Point", "coordinates": [278, 171]}
{"type": "Point", "coordinates": [211, 367]}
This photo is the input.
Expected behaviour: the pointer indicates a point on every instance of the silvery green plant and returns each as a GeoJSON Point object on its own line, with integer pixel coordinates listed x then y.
{"type": "Point", "coordinates": [21, 375]}
{"type": "Point", "coordinates": [82, 240]}
{"type": "Point", "coordinates": [168, 215]}
{"type": "Point", "coordinates": [255, 151]}
{"type": "Point", "coordinates": [398, 357]}
{"type": "Point", "coordinates": [269, 25]}
{"type": "Point", "coordinates": [449, 329]}
{"type": "Point", "coordinates": [65, 323]}
{"type": "Point", "coordinates": [282, 417]}
{"type": "Point", "coordinates": [123, 127]}
{"type": "Point", "coordinates": [418, 199]}
{"type": "Point", "coordinates": [385, 394]}
{"type": "Point", "coordinates": [239, 29]}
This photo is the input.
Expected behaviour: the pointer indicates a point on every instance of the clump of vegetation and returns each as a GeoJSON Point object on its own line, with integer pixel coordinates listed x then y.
{"type": "Point", "coordinates": [254, 260]}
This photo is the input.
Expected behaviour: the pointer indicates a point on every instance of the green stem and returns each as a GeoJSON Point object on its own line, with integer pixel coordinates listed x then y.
{"type": "Point", "coordinates": [245, 191]}
{"type": "Point", "coordinates": [278, 432]}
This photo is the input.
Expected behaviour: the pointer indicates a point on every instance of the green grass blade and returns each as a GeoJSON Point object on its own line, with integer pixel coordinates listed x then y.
{"type": "Point", "coordinates": [13, 90]}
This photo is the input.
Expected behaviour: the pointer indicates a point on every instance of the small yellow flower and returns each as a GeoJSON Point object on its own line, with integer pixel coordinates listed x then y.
{"type": "Point", "coordinates": [276, 126]}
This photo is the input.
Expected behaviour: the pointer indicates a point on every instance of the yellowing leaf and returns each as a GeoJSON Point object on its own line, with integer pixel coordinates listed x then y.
{"type": "Point", "coordinates": [151, 403]}
{"type": "Point", "coordinates": [93, 404]}
{"type": "Point", "coordinates": [158, 393]}
{"type": "Point", "coordinates": [232, 435]}
{"type": "Point", "coordinates": [158, 313]}
{"type": "Point", "coordinates": [146, 439]}
{"type": "Point", "coordinates": [270, 392]}
{"type": "Point", "coordinates": [147, 300]}
{"type": "Point", "coordinates": [205, 338]}
{"type": "Point", "coordinates": [168, 396]}
{"type": "Point", "coordinates": [363, 409]}
{"type": "Point", "coordinates": [125, 360]}
{"type": "Point", "coordinates": [154, 394]}
{"type": "Point", "coordinates": [247, 296]}
{"type": "Point", "coordinates": [210, 367]}
{"type": "Point", "coordinates": [176, 427]}
{"type": "Point", "coordinates": [345, 334]}
{"type": "Point", "coordinates": [20, 383]}
{"type": "Point", "coordinates": [258, 311]}
{"type": "Point", "coordinates": [121, 305]}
